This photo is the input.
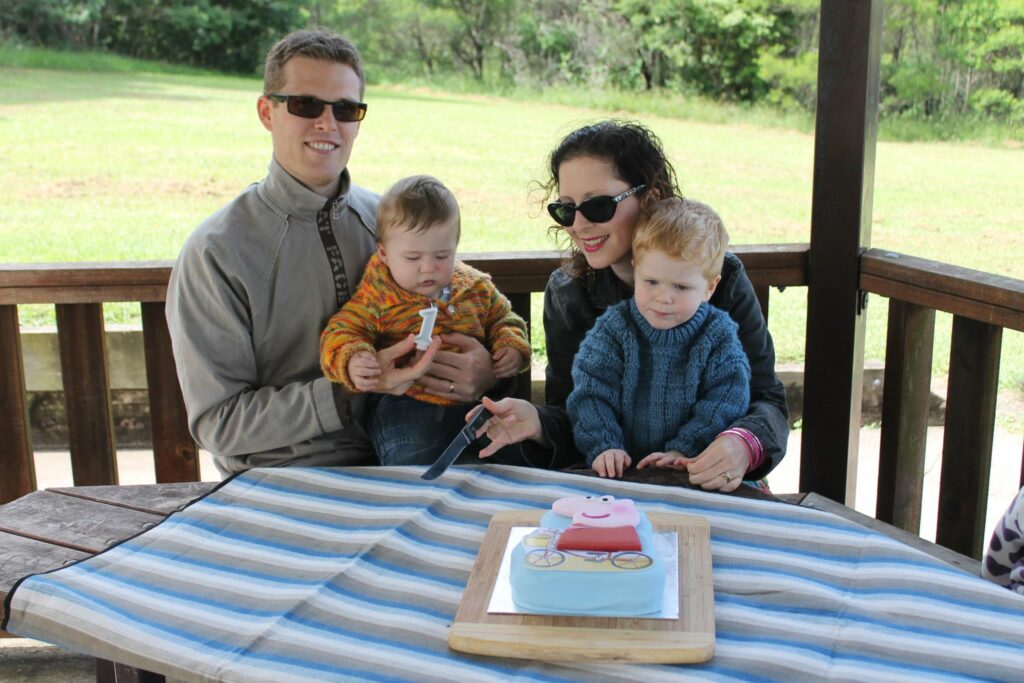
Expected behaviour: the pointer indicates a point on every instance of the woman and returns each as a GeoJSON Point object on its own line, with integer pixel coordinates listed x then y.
{"type": "Point", "coordinates": [604, 176]}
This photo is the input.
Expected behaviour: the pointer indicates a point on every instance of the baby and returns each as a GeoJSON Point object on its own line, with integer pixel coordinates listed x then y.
{"type": "Point", "coordinates": [660, 375]}
{"type": "Point", "coordinates": [411, 284]}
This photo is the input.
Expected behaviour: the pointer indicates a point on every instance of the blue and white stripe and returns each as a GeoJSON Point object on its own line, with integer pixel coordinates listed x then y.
{"type": "Point", "coordinates": [356, 574]}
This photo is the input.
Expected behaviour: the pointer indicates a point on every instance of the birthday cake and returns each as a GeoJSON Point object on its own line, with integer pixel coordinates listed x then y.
{"type": "Point", "coordinates": [591, 556]}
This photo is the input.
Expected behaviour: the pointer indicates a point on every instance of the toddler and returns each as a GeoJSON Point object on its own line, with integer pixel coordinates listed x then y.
{"type": "Point", "coordinates": [1004, 559]}
{"type": "Point", "coordinates": [660, 375]}
{"type": "Point", "coordinates": [412, 281]}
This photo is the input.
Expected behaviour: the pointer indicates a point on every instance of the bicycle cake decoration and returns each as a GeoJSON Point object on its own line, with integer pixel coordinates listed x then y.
{"type": "Point", "coordinates": [592, 555]}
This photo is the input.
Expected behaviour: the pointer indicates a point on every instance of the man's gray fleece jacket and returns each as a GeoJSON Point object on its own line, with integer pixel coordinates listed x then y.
{"type": "Point", "coordinates": [248, 297]}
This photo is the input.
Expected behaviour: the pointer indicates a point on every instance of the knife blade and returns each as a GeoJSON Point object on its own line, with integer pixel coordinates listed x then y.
{"type": "Point", "coordinates": [466, 436]}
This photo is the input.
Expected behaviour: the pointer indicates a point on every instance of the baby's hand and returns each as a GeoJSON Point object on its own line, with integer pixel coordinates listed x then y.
{"type": "Point", "coordinates": [507, 362]}
{"type": "Point", "coordinates": [611, 463]}
{"type": "Point", "coordinates": [673, 459]}
{"type": "Point", "coordinates": [363, 370]}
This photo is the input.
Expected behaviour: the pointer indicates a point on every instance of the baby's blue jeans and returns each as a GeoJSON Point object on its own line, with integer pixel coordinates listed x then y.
{"type": "Point", "coordinates": [405, 431]}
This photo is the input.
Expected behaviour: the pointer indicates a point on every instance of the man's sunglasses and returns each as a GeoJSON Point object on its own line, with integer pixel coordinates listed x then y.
{"type": "Point", "coordinates": [595, 209]}
{"type": "Point", "coordinates": [310, 107]}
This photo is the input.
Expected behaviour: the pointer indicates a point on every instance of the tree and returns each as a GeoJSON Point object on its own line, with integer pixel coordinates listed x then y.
{"type": "Point", "coordinates": [484, 24]}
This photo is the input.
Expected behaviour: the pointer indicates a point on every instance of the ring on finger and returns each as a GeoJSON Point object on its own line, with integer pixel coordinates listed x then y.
{"type": "Point", "coordinates": [451, 387]}
{"type": "Point", "coordinates": [727, 477]}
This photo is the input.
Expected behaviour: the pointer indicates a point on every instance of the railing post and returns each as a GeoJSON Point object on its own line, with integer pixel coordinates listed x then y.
{"type": "Point", "coordinates": [763, 293]}
{"type": "Point", "coordinates": [967, 442]}
{"type": "Point", "coordinates": [844, 162]}
{"type": "Point", "coordinates": [905, 397]}
{"type": "Point", "coordinates": [16, 463]}
{"type": "Point", "coordinates": [521, 306]}
{"type": "Point", "coordinates": [83, 366]}
{"type": "Point", "coordinates": [175, 454]}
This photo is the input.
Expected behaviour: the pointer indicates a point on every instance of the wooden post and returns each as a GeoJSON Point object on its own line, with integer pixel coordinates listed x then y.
{"type": "Point", "coordinates": [905, 398]}
{"type": "Point", "coordinates": [763, 293]}
{"type": "Point", "coordinates": [967, 442]}
{"type": "Point", "coordinates": [844, 162]}
{"type": "Point", "coordinates": [521, 306]}
{"type": "Point", "coordinates": [16, 463]}
{"type": "Point", "coordinates": [175, 454]}
{"type": "Point", "coordinates": [83, 365]}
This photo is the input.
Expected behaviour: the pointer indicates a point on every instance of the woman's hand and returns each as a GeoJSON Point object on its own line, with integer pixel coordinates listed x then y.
{"type": "Point", "coordinates": [513, 420]}
{"type": "Point", "coordinates": [460, 375]}
{"type": "Point", "coordinates": [395, 380]}
{"type": "Point", "coordinates": [721, 466]}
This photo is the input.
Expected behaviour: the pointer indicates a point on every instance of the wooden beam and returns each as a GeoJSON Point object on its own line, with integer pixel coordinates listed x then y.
{"type": "Point", "coordinates": [763, 294]}
{"type": "Point", "coordinates": [83, 364]}
{"type": "Point", "coordinates": [844, 163]}
{"type": "Point", "coordinates": [521, 306]}
{"type": "Point", "coordinates": [19, 473]}
{"type": "Point", "coordinates": [906, 393]}
{"type": "Point", "coordinates": [175, 454]}
{"type": "Point", "coordinates": [962, 291]}
{"type": "Point", "coordinates": [967, 442]}
{"type": "Point", "coordinates": [778, 265]}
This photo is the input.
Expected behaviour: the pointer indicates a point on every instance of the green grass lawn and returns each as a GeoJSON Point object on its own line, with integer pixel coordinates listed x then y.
{"type": "Point", "coordinates": [123, 165]}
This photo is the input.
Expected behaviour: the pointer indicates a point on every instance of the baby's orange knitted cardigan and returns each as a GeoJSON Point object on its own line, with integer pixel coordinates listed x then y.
{"type": "Point", "coordinates": [381, 314]}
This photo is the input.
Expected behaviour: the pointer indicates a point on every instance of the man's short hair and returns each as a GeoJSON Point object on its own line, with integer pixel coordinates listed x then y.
{"type": "Point", "coordinates": [417, 203]}
{"type": "Point", "coordinates": [684, 229]}
{"type": "Point", "coordinates": [316, 44]}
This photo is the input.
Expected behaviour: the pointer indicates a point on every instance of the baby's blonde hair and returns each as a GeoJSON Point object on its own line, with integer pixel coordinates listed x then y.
{"type": "Point", "coordinates": [684, 229]}
{"type": "Point", "coordinates": [417, 203]}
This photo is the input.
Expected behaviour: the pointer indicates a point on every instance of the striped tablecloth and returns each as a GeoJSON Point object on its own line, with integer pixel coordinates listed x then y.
{"type": "Point", "coordinates": [331, 574]}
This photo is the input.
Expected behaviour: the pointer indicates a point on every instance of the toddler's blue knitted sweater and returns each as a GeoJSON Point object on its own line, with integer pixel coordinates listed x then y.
{"type": "Point", "coordinates": [646, 390]}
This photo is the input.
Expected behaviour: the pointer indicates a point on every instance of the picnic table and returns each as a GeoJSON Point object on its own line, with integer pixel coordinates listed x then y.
{"type": "Point", "coordinates": [329, 574]}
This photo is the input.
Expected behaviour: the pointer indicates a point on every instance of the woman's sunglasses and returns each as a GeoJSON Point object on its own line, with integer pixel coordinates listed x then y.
{"type": "Point", "coordinates": [308, 107]}
{"type": "Point", "coordinates": [595, 209]}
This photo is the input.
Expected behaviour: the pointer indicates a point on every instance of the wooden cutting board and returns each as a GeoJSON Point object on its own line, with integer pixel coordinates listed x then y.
{"type": "Point", "coordinates": [688, 639]}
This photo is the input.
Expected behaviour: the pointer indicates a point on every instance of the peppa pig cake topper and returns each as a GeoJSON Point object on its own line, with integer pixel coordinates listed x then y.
{"type": "Point", "coordinates": [597, 511]}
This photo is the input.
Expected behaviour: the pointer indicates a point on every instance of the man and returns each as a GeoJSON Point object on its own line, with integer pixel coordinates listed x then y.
{"type": "Point", "coordinates": [256, 282]}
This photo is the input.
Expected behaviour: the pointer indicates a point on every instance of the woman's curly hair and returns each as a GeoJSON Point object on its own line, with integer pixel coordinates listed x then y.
{"type": "Point", "coordinates": [634, 152]}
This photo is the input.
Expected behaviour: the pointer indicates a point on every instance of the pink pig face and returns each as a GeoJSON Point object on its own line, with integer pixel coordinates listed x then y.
{"type": "Point", "coordinates": [597, 510]}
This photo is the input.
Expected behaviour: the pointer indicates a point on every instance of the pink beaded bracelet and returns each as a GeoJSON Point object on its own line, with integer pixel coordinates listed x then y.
{"type": "Point", "coordinates": [755, 449]}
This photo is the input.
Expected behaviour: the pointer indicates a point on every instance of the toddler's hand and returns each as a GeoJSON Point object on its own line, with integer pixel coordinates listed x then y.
{"type": "Point", "coordinates": [507, 362]}
{"type": "Point", "coordinates": [363, 370]}
{"type": "Point", "coordinates": [673, 459]}
{"type": "Point", "coordinates": [611, 463]}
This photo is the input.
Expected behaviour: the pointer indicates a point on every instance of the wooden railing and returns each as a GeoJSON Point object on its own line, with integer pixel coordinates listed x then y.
{"type": "Point", "coordinates": [982, 304]}
{"type": "Point", "coordinates": [79, 290]}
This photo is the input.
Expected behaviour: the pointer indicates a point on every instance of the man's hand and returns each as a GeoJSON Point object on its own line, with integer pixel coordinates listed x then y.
{"type": "Point", "coordinates": [363, 370]}
{"type": "Point", "coordinates": [513, 420]}
{"type": "Point", "coordinates": [612, 463]}
{"type": "Point", "coordinates": [721, 466]}
{"type": "Point", "coordinates": [460, 375]}
{"type": "Point", "coordinates": [507, 362]}
{"type": "Point", "coordinates": [395, 380]}
{"type": "Point", "coordinates": [672, 459]}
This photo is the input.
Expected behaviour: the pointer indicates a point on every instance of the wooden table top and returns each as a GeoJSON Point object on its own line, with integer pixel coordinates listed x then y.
{"type": "Point", "coordinates": [49, 529]}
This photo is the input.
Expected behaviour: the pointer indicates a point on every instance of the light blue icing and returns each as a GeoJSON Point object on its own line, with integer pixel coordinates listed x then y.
{"type": "Point", "coordinates": [563, 589]}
